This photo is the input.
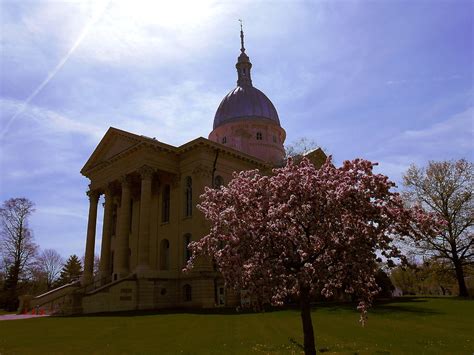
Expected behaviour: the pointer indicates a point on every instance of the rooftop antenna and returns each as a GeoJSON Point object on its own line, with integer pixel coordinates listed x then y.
{"type": "Point", "coordinates": [242, 48]}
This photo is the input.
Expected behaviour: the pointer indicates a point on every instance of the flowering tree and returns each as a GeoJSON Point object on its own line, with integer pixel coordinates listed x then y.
{"type": "Point", "coordinates": [303, 231]}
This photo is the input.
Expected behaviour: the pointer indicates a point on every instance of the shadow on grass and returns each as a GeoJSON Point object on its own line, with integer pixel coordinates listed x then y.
{"type": "Point", "coordinates": [381, 306]}
{"type": "Point", "coordinates": [384, 306]}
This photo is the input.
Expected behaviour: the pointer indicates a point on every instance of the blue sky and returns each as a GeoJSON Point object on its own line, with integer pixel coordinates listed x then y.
{"type": "Point", "coordinates": [389, 81]}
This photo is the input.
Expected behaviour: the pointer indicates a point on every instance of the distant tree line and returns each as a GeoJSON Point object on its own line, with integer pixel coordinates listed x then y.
{"type": "Point", "coordinates": [24, 268]}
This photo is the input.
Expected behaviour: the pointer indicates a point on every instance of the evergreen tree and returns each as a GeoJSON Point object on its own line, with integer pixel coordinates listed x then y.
{"type": "Point", "coordinates": [71, 271]}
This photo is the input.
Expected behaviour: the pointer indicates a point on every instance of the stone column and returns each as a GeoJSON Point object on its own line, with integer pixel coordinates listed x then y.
{"type": "Point", "coordinates": [104, 267]}
{"type": "Point", "coordinates": [88, 276]}
{"type": "Point", "coordinates": [121, 262]}
{"type": "Point", "coordinates": [143, 264]}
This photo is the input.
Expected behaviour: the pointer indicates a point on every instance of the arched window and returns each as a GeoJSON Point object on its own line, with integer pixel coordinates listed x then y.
{"type": "Point", "coordinates": [188, 194]}
{"type": "Point", "coordinates": [259, 136]}
{"type": "Point", "coordinates": [187, 293]}
{"type": "Point", "coordinates": [165, 212]}
{"type": "Point", "coordinates": [224, 140]}
{"type": "Point", "coordinates": [165, 254]}
{"type": "Point", "coordinates": [187, 252]}
{"type": "Point", "coordinates": [218, 181]}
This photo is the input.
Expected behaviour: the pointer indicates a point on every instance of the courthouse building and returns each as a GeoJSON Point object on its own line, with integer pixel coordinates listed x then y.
{"type": "Point", "coordinates": [151, 190]}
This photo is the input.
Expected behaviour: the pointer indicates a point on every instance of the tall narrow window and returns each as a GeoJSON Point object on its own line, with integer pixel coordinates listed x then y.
{"type": "Point", "coordinates": [187, 252]}
{"type": "Point", "coordinates": [165, 254]}
{"type": "Point", "coordinates": [218, 182]}
{"type": "Point", "coordinates": [165, 212]}
{"type": "Point", "coordinates": [131, 215]}
{"type": "Point", "coordinates": [188, 194]}
{"type": "Point", "coordinates": [114, 221]}
{"type": "Point", "coordinates": [187, 293]}
{"type": "Point", "coordinates": [259, 136]}
{"type": "Point", "coordinates": [224, 140]}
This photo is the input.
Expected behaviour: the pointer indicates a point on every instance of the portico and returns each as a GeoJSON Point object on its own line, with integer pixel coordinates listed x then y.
{"type": "Point", "coordinates": [149, 192]}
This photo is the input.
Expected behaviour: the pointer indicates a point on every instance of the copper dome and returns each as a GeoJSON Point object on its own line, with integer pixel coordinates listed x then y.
{"type": "Point", "coordinates": [245, 102]}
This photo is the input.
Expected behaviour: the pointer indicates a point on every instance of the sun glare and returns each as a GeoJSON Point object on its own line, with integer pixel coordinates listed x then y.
{"type": "Point", "coordinates": [170, 14]}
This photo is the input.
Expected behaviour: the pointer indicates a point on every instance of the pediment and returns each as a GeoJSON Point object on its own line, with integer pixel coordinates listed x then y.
{"type": "Point", "coordinates": [113, 143]}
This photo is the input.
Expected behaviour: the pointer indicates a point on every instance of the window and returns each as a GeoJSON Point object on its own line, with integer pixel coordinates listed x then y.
{"type": "Point", "coordinates": [274, 139]}
{"type": "Point", "coordinates": [111, 266]}
{"type": "Point", "coordinates": [221, 296]}
{"type": "Point", "coordinates": [187, 252]}
{"type": "Point", "coordinates": [218, 181]}
{"type": "Point", "coordinates": [165, 212]}
{"type": "Point", "coordinates": [114, 221]}
{"type": "Point", "coordinates": [259, 136]}
{"type": "Point", "coordinates": [165, 254]}
{"type": "Point", "coordinates": [188, 194]}
{"type": "Point", "coordinates": [187, 293]}
{"type": "Point", "coordinates": [131, 216]}
{"type": "Point", "coordinates": [224, 140]}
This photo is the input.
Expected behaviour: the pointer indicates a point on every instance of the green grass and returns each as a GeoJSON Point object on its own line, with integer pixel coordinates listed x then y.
{"type": "Point", "coordinates": [3, 312]}
{"type": "Point", "coordinates": [407, 325]}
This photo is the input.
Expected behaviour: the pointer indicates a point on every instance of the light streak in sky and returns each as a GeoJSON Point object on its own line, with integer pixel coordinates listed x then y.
{"type": "Point", "coordinates": [95, 18]}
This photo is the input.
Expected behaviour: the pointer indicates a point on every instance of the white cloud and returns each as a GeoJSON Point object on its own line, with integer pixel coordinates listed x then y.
{"type": "Point", "coordinates": [185, 112]}
{"type": "Point", "coordinates": [459, 127]}
{"type": "Point", "coordinates": [48, 121]}
{"type": "Point", "coordinates": [452, 138]}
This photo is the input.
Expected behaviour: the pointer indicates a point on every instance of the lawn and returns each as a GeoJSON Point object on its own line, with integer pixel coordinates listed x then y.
{"type": "Point", "coordinates": [3, 312]}
{"type": "Point", "coordinates": [406, 325]}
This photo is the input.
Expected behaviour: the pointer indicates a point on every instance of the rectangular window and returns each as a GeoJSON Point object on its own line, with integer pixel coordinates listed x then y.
{"type": "Point", "coordinates": [165, 205]}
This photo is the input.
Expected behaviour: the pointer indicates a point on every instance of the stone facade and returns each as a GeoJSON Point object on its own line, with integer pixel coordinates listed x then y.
{"type": "Point", "coordinates": [150, 191]}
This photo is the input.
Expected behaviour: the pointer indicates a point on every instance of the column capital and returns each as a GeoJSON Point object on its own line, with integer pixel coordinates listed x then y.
{"type": "Point", "coordinates": [93, 195]}
{"type": "Point", "coordinates": [175, 180]}
{"type": "Point", "coordinates": [146, 172]}
{"type": "Point", "coordinates": [125, 180]}
{"type": "Point", "coordinates": [108, 189]}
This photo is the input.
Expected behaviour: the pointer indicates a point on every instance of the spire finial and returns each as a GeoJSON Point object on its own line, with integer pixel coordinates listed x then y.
{"type": "Point", "coordinates": [242, 48]}
{"type": "Point", "coordinates": [243, 63]}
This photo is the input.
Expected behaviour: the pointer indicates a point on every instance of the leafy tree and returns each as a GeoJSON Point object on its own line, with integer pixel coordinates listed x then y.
{"type": "Point", "coordinates": [304, 230]}
{"type": "Point", "coordinates": [439, 277]}
{"type": "Point", "coordinates": [405, 278]}
{"type": "Point", "coordinates": [430, 277]}
{"type": "Point", "coordinates": [17, 246]}
{"type": "Point", "coordinates": [446, 188]}
{"type": "Point", "coordinates": [71, 271]}
{"type": "Point", "coordinates": [385, 284]}
{"type": "Point", "coordinates": [49, 264]}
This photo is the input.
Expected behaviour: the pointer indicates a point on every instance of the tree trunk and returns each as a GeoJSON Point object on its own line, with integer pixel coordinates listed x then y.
{"type": "Point", "coordinates": [309, 344]}
{"type": "Point", "coordinates": [443, 290]}
{"type": "Point", "coordinates": [460, 277]}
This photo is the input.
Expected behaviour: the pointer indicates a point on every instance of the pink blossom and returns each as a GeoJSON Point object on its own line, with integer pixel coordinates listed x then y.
{"type": "Point", "coordinates": [303, 231]}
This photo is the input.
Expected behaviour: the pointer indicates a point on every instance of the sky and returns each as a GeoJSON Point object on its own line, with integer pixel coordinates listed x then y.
{"type": "Point", "coordinates": [389, 81]}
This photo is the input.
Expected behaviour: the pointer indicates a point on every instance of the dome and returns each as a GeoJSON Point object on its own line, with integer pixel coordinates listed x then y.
{"type": "Point", "coordinates": [245, 102]}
